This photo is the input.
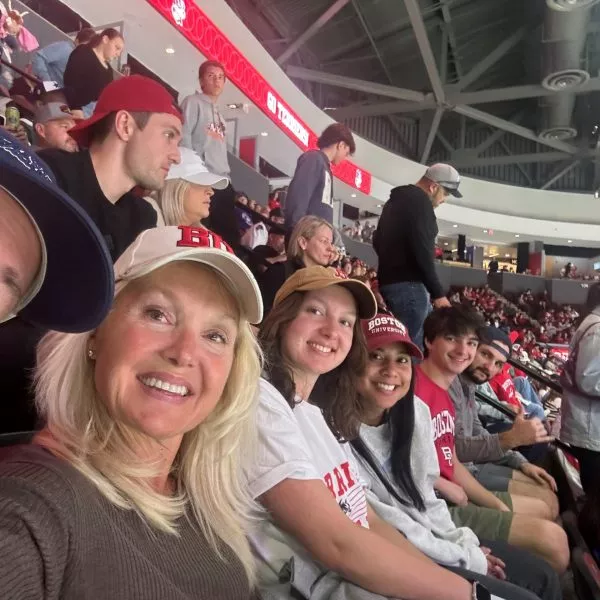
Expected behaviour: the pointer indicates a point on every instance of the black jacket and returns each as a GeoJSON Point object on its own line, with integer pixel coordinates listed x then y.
{"type": "Point", "coordinates": [272, 279]}
{"type": "Point", "coordinates": [85, 77]}
{"type": "Point", "coordinates": [405, 240]}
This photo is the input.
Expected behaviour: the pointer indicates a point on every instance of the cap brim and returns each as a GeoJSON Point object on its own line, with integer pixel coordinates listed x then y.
{"type": "Point", "coordinates": [218, 182]}
{"type": "Point", "coordinates": [413, 349]}
{"type": "Point", "coordinates": [455, 193]}
{"type": "Point", "coordinates": [81, 131]}
{"type": "Point", "coordinates": [385, 340]}
{"type": "Point", "coordinates": [367, 305]}
{"type": "Point", "coordinates": [247, 292]}
{"type": "Point", "coordinates": [78, 288]}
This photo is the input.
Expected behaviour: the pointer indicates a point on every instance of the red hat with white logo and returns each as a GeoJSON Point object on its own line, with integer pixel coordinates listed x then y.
{"type": "Point", "coordinates": [159, 246]}
{"type": "Point", "coordinates": [383, 330]}
{"type": "Point", "coordinates": [135, 93]}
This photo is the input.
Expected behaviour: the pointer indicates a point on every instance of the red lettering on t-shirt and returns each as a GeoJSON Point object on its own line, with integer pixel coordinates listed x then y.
{"type": "Point", "coordinates": [341, 486]}
{"type": "Point", "coordinates": [345, 466]}
{"type": "Point", "coordinates": [329, 483]}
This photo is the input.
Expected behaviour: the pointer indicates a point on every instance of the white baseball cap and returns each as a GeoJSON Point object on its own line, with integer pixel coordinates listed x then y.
{"type": "Point", "coordinates": [159, 246]}
{"type": "Point", "coordinates": [446, 176]}
{"type": "Point", "coordinates": [193, 169]}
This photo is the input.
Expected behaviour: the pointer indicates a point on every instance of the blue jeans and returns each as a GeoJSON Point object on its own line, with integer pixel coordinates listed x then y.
{"type": "Point", "coordinates": [535, 407]}
{"type": "Point", "coordinates": [409, 302]}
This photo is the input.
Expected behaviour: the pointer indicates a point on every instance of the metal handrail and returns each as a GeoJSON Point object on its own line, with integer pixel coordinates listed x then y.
{"type": "Point", "coordinates": [535, 374]}
{"type": "Point", "coordinates": [495, 404]}
{"type": "Point", "coordinates": [21, 72]}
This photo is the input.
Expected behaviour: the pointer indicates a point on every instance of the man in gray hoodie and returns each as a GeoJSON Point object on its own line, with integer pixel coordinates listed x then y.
{"type": "Point", "coordinates": [311, 189]}
{"type": "Point", "coordinates": [491, 457]}
{"type": "Point", "coordinates": [204, 132]}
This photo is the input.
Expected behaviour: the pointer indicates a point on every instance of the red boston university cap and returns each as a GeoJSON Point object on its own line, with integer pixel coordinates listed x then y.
{"type": "Point", "coordinates": [135, 93]}
{"type": "Point", "coordinates": [382, 330]}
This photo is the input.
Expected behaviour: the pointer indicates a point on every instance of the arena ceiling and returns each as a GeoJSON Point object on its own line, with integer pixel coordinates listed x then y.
{"type": "Point", "coordinates": [503, 89]}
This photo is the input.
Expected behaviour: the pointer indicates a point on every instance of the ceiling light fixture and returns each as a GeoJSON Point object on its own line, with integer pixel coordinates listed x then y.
{"type": "Point", "coordinates": [170, 50]}
{"type": "Point", "coordinates": [485, 231]}
{"type": "Point", "coordinates": [517, 235]}
{"type": "Point", "coordinates": [455, 226]}
{"type": "Point", "coordinates": [569, 241]}
{"type": "Point", "coordinates": [264, 133]}
{"type": "Point", "coordinates": [353, 195]}
{"type": "Point", "coordinates": [507, 256]}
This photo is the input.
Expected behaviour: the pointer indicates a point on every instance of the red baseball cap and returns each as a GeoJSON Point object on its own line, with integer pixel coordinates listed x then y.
{"type": "Point", "coordinates": [135, 93]}
{"type": "Point", "coordinates": [383, 330]}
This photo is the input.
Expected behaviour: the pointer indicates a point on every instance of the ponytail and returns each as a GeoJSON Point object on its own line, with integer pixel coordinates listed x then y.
{"type": "Point", "coordinates": [110, 33]}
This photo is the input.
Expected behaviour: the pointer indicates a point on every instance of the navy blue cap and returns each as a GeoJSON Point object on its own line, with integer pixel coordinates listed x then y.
{"type": "Point", "coordinates": [77, 290]}
{"type": "Point", "coordinates": [492, 336]}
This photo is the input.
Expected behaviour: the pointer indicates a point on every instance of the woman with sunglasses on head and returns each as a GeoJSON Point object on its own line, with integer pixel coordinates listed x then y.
{"type": "Point", "coordinates": [319, 539]}
{"type": "Point", "coordinates": [398, 462]}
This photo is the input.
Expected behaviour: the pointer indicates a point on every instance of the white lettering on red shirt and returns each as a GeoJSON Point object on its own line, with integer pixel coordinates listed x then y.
{"type": "Point", "coordinates": [443, 415]}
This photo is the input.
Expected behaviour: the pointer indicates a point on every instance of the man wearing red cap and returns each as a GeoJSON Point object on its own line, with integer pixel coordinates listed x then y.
{"type": "Point", "coordinates": [131, 140]}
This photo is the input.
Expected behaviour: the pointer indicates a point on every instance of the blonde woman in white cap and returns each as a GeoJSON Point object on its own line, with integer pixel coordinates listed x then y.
{"type": "Point", "coordinates": [185, 197]}
{"type": "Point", "coordinates": [133, 488]}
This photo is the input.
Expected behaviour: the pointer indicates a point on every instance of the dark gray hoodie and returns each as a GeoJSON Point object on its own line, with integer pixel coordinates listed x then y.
{"type": "Point", "coordinates": [311, 189]}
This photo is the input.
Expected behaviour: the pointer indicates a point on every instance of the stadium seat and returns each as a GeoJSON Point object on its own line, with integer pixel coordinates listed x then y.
{"type": "Point", "coordinates": [586, 575]}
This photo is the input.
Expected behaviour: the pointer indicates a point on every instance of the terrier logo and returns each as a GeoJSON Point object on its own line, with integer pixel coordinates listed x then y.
{"type": "Point", "coordinates": [179, 12]}
{"type": "Point", "coordinates": [358, 178]}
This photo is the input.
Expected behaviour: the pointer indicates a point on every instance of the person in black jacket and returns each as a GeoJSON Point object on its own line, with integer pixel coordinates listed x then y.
{"type": "Point", "coordinates": [311, 244]}
{"type": "Point", "coordinates": [405, 244]}
{"type": "Point", "coordinates": [131, 140]}
{"type": "Point", "coordinates": [89, 69]}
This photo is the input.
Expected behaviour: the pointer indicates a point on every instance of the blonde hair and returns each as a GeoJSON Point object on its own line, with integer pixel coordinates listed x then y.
{"type": "Point", "coordinates": [306, 227]}
{"type": "Point", "coordinates": [171, 201]}
{"type": "Point", "coordinates": [208, 465]}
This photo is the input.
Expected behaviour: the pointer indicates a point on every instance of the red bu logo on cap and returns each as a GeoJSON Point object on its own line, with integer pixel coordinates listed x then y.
{"type": "Point", "coordinates": [387, 321]}
{"type": "Point", "coordinates": [198, 237]}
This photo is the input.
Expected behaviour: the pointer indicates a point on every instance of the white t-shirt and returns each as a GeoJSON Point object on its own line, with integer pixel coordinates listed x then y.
{"type": "Point", "coordinates": [298, 444]}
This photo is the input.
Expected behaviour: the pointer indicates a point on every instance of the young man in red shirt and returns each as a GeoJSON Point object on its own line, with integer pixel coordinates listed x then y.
{"type": "Point", "coordinates": [451, 341]}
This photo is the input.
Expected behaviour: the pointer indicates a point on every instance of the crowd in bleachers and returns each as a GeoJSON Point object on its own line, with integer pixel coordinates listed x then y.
{"type": "Point", "coordinates": [570, 271]}
{"type": "Point", "coordinates": [534, 319]}
{"type": "Point", "coordinates": [225, 406]}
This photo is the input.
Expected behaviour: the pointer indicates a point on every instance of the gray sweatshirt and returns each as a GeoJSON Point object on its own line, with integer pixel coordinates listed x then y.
{"type": "Point", "coordinates": [474, 443]}
{"type": "Point", "coordinates": [204, 132]}
{"type": "Point", "coordinates": [311, 189]}
{"type": "Point", "coordinates": [580, 421]}
{"type": "Point", "coordinates": [431, 531]}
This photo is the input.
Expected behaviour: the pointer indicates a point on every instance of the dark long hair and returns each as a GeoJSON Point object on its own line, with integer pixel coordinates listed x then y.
{"type": "Point", "coordinates": [335, 392]}
{"type": "Point", "coordinates": [110, 33]}
{"type": "Point", "coordinates": [401, 419]}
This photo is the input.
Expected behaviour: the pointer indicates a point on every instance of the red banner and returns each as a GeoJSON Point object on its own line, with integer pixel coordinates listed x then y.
{"type": "Point", "coordinates": [187, 17]}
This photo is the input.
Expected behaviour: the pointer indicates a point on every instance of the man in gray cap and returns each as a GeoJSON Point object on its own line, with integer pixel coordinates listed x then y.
{"type": "Point", "coordinates": [405, 244]}
{"type": "Point", "coordinates": [52, 124]}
